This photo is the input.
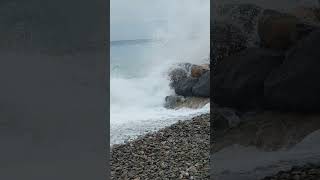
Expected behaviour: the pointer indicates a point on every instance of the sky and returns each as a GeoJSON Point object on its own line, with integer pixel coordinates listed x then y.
{"type": "Point", "coordinates": [135, 19]}
{"type": "Point", "coordinates": [140, 19]}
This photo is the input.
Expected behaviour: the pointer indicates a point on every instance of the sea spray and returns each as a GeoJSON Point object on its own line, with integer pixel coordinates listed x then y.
{"type": "Point", "coordinates": [179, 32]}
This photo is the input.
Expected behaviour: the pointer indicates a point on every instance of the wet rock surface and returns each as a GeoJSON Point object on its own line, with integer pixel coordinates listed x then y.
{"type": "Point", "coordinates": [266, 130]}
{"type": "Point", "coordinates": [191, 80]}
{"type": "Point", "coordinates": [239, 79]}
{"type": "Point", "coordinates": [177, 102]}
{"type": "Point", "coordinates": [226, 39]}
{"type": "Point", "coordinates": [180, 151]}
{"type": "Point", "coordinates": [265, 86]}
{"type": "Point", "coordinates": [306, 172]}
{"type": "Point", "coordinates": [292, 86]}
{"type": "Point", "coordinates": [280, 30]}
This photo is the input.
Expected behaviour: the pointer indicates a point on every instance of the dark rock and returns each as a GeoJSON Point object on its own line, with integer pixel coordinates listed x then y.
{"type": "Point", "coordinates": [226, 39]}
{"type": "Point", "coordinates": [191, 80]}
{"type": "Point", "coordinates": [224, 118]}
{"type": "Point", "coordinates": [295, 84]}
{"type": "Point", "coordinates": [242, 15]}
{"type": "Point", "coordinates": [280, 31]}
{"type": "Point", "coordinates": [178, 74]}
{"type": "Point", "coordinates": [233, 29]}
{"type": "Point", "coordinates": [307, 14]}
{"type": "Point", "coordinates": [238, 80]}
{"type": "Point", "coordinates": [184, 86]}
{"type": "Point", "coordinates": [202, 87]}
{"type": "Point", "coordinates": [297, 173]}
{"type": "Point", "coordinates": [177, 102]}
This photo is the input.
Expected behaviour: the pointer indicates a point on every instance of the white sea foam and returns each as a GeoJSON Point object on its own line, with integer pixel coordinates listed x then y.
{"type": "Point", "coordinates": [139, 80]}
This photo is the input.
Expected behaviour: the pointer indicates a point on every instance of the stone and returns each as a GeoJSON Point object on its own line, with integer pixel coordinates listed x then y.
{"type": "Point", "coordinates": [238, 81]}
{"type": "Point", "coordinates": [198, 70]}
{"type": "Point", "coordinates": [294, 85]}
{"type": "Point", "coordinates": [226, 39]}
{"type": "Point", "coordinates": [281, 31]}
{"type": "Point", "coordinates": [202, 87]}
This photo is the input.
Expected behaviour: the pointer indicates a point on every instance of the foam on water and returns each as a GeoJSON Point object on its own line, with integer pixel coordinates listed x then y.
{"type": "Point", "coordinates": [139, 71]}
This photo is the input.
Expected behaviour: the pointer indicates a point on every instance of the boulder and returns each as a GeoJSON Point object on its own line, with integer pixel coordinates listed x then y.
{"type": "Point", "coordinates": [224, 118]}
{"type": "Point", "coordinates": [238, 80]}
{"type": "Point", "coordinates": [307, 14]}
{"type": "Point", "coordinates": [199, 70]}
{"type": "Point", "coordinates": [226, 39]}
{"type": "Point", "coordinates": [294, 85]}
{"type": "Point", "coordinates": [184, 86]}
{"type": "Point", "coordinates": [177, 102]}
{"type": "Point", "coordinates": [242, 15]}
{"type": "Point", "coordinates": [280, 31]}
{"type": "Point", "coordinates": [202, 87]}
{"type": "Point", "coordinates": [191, 80]}
{"type": "Point", "coordinates": [177, 74]}
{"type": "Point", "coordinates": [233, 29]}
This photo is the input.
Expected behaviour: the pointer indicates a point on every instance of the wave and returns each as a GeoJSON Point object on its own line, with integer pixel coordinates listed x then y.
{"type": "Point", "coordinates": [139, 69]}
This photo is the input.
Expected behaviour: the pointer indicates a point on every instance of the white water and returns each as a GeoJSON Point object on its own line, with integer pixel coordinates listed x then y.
{"type": "Point", "coordinates": [139, 81]}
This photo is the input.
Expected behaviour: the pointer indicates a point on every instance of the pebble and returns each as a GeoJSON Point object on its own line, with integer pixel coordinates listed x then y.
{"type": "Point", "coordinates": [180, 151]}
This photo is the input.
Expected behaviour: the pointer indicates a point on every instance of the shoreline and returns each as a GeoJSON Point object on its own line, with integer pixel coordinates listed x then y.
{"type": "Point", "coordinates": [179, 151]}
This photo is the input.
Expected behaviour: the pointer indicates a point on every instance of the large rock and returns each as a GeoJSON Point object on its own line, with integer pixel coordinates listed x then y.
{"type": "Point", "coordinates": [190, 80]}
{"type": "Point", "coordinates": [198, 70]}
{"type": "Point", "coordinates": [242, 15]}
{"type": "Point", "coordinates": [233, 29]}
{"type": "Point", "coordinates": [238, 80]}
{"type": "Point", "coordinates": [202, 87]}
{"type": "Point", "coordinates": [307, 14]}
{"type": "Point", "coordinates": [184, 86]}
{"type": "Point", "coordinates": [224, 118]}
{"type": "Point", "coordinates": [295, 84]}
{"type": "Point", "coordinates": [177, 102]}
{"type": "Point", "coordinates": [280, 31]}
{"type": "Point", "coordinates": [226, 39]}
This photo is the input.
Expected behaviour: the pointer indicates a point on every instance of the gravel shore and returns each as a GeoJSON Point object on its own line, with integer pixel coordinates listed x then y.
{"type": "Point", "coordinates": [180, 151]}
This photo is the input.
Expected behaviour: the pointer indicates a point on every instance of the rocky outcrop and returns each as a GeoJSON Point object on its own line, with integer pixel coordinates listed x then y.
{"type": "Point", "coordinates": [177, 102]}
{"type": "Point", "coordinates": [199, 70]}
{"type": "Point", "coordinates": [266, 130]}
{"type": "Point", "coordinates": [239, 79]}
{"type": "Point", "coordinates": [191, 80]}
{"type": "Point", "coordinates": [307, 14]}
{"type": "Point", "coordinates": [202, 87]}
{"type": "Point", "coordinates": [224, 118]}
{"type": "Point", "coordinates": [280, 73]}
{"type": "Point", "coordinates": [268, 96]}
{"type": "Point", "coordinates": [281, 31]}
{"type": "Point", "coordinates": [233, 29]}
{"type": "Point", "coordinates": [243, 16]}
{"type": "Point", "coordinates": [293, 85]}
{"type": "Point", "coordinates": [226, 39]}
{"type": "Point", "coordinates": [308, 171]}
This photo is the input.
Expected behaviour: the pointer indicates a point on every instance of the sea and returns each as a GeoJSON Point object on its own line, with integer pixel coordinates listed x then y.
{"type": "Point", "coordinates": [148, 38]}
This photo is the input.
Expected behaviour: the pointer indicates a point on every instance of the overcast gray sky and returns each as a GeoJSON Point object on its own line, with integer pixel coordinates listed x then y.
{"type": "Point", "coordinates": [132, 19]}
{"type": "Point", "coordinates": [135, 19]}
